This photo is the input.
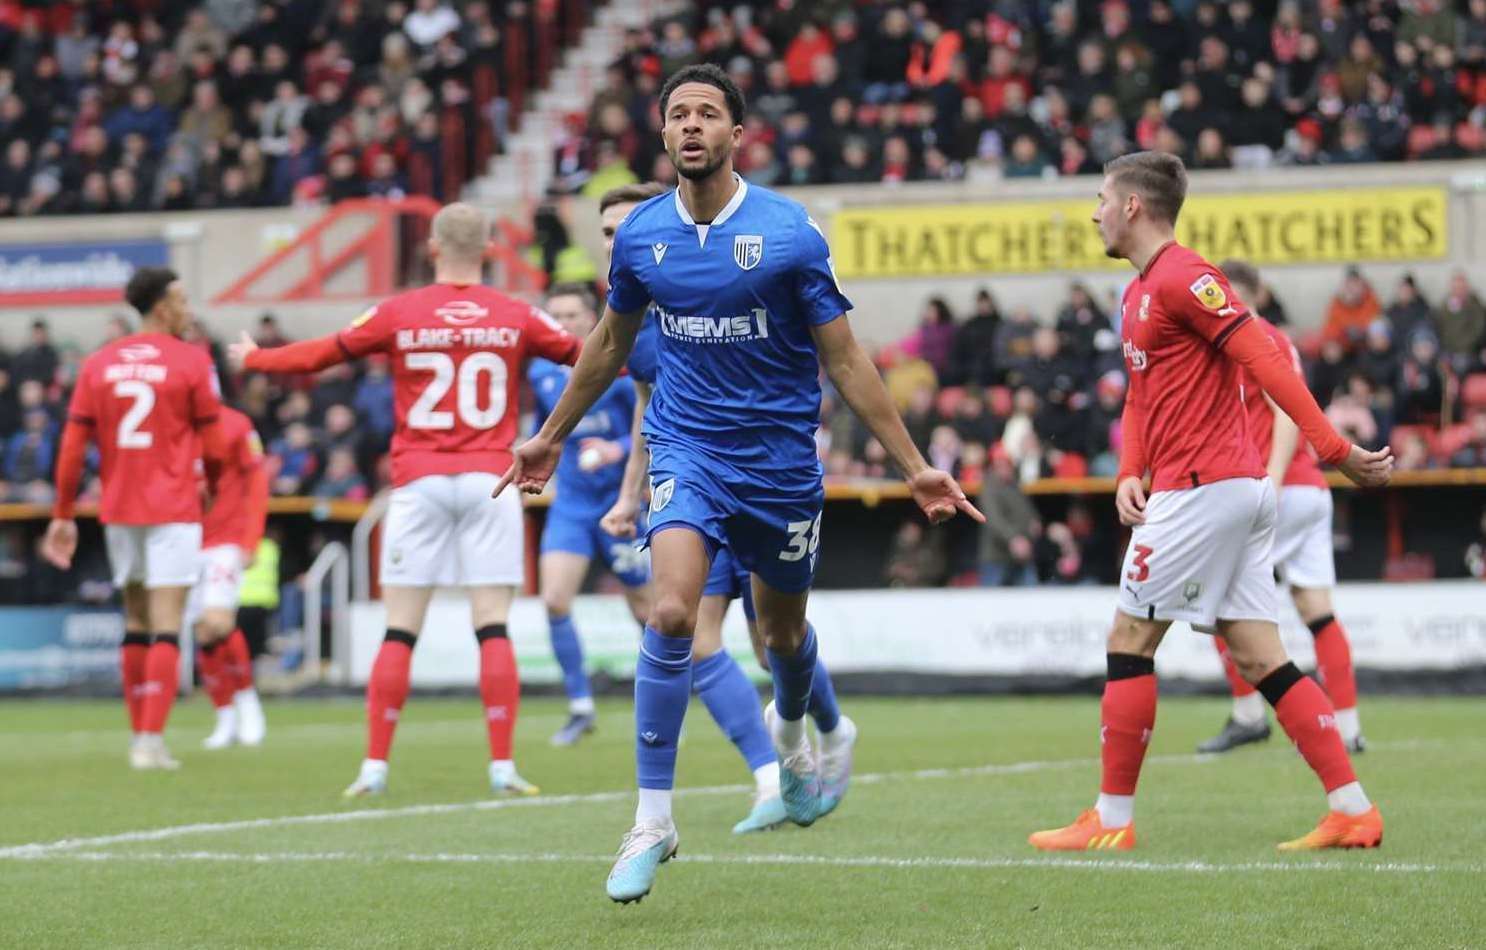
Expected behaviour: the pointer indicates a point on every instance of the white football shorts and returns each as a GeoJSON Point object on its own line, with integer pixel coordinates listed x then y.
{"type": "Point", "coordinates": [446, 531]}
{"type": "Point", "coordinates": [156, 555]}
{"type": "Point", "coordinates": [1203, 554]}
{"type": "Point", "coordinates": [1302, 537]}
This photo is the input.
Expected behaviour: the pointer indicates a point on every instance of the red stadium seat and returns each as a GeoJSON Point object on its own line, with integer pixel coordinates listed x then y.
{"type": "Point", "coordinates": [1429, 434]}
{"type": "Point", "coordinates": [1473, 394]}
{"type": "Point", "coordinates": [999, 400]}
{"type": "Point", "coordinates": [1452, 440]}
{"type": "Point", "coordinates": [1071, 465]}
{"type": "Point", "coordinates": [948, 400]}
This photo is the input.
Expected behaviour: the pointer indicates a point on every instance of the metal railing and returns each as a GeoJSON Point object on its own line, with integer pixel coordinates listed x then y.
{"type": "Point", "coordinates": [332, 562]}
{"type": "Point", "coordinates": [361, 534]}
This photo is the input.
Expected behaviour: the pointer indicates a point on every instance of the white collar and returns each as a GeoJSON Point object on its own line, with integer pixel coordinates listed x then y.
{"type": "Point", "coordinates": [734, 203]}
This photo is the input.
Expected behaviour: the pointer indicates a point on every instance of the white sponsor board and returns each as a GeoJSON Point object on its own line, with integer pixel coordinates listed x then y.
{"type": "Point", "coordinates": [1028, 632]}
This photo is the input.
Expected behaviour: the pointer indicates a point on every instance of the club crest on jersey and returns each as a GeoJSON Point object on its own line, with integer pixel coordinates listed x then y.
{"type": "Point", "coordinates": [660, 495]}
{"type": "Point", "coordinates": [1209, 293]}
{"type": "Point", "coordinates": [139, 353]}
{"type": "Point", "coordinates": [748, 250]}
{"type": "Point", "coordinates": [461, 313]}
{"type": "Point", "coordinates": [1144, 313]}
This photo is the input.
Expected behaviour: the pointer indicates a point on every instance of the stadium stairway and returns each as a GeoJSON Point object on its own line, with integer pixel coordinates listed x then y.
{"type": "Point", "coordinates": [520, 177]}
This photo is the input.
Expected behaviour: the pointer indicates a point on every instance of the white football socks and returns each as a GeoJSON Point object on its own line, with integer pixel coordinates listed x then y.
{"type": "Point", "coordinates": [1249, 710]}
{"type": "Point", "coordinates": [1348, 724]}
{"type": "Point", "coordinates": [1348, 799]}
{"type": "Point", "coordinates": [655, 803]}
{"type": "Point", "coordinates": [1115, 811]}
{"type": "Point", "coordinates": [766, 779]}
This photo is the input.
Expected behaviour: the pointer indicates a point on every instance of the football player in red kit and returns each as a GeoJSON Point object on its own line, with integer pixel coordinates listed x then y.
{"type": "Point", "coordinates": [1201, 542]}
{"type": "Point", "coordinates": [459, 352]}
{"type": "Point", "coordinates": [149, 402]}
{"type": "Point", "coordinates": [1302, 555]}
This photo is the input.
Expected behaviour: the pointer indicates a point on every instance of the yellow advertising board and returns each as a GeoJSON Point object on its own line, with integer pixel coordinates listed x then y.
{"type": "Point", "coordinates": [1028, 237]}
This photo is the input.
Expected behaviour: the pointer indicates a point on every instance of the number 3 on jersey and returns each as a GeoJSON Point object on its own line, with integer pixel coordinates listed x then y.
{"type": "Point", "coordinates": [143, 396]}
{"type": "Point", "coordinates": [1142, 569]}
{"type": "Point", "coordinates": [425, 415]}
{"type": "Point", "coordinates": [804, 538]}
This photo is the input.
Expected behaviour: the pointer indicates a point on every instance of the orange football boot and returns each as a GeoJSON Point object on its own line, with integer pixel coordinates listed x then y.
{"type": "Point", "coordinates": [1085, 834]}
{"type": "Point", "coordinates": [1340, 830]}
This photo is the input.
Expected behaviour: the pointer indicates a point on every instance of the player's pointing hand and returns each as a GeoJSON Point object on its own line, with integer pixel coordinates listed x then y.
{"type": "Point", "coordinates": [940, 496]}
{"type": "Point", "coordinates": [1368, 469]}
{"type": "Point", "coordinates": [237, 353]}
{"type": "Point", "coordinates": [532, 465]}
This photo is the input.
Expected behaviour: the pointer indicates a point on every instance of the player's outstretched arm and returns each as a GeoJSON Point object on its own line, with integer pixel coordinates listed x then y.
{"type": "Point", "coordinates": [620, 519]}
{"type": "Point", "coordinates": [856, 379]}
{"type": "Point", "coordinates": [1252, 347]}
{"type": "Point", "coordinates": [305, 356]}
{"type": "Point", "coordinates": [604, 353]}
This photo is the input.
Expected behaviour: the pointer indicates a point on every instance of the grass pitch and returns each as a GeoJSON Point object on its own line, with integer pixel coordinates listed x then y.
{"type": "Point", "coordinates": [253, 847]}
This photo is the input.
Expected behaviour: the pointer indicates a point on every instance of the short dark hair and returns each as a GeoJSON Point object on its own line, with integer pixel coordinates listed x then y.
{"type": "Point", "coordinates": [710, 75]}
{"type": "Point", "coordinates": [574, 289]}
{"type": "Point", "coordinates": [147, 287]}
{"type": "Point", "coordinates": [631, 194]}
{"type": "Point", "coordinates": [1240, 272]}
{"type": "Point", "coordinates": [1158, 177]}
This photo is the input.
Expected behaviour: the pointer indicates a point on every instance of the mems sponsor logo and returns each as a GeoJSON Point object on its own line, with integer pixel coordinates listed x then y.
{"type": "Point", "coordinates": [693, 329]}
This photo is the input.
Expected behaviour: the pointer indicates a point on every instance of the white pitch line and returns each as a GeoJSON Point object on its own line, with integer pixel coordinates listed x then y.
{"type": "Point", "coordinates": [1099, 863]}
{"type": "Point", "coordinates": [41, 849]}
{"type": "Point", "coordinates": [412, 811]}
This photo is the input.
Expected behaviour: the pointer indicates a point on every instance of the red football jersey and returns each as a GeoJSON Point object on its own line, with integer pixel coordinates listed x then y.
{"type": "Point", "coordinates": [144, 397]}
{"type": "Point", "coordinates": [236, 502]}
{"type": "Point", "coordinates": [458, 357]}
{"type": "Point", "coordinates": [1184, 392]}
{"type": "Point", "coordinates": [1304, 468]}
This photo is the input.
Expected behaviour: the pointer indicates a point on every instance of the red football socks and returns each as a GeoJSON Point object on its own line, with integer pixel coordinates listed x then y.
{"type": "Point", "coordinates": [218, 683]}
{"type": "Point", "coordinates": [500, 688]}
{"type": "Point", "coordinates": [161, 680]}
{"type": "Point", "coordinates": [132, 653]}
{"type": "Point", "coordinates": [237, 661]}
{"type": "Point", "coordinates": [1334, 662]}
{"type": "Point", "coordinates": [1126, 716]}
{"type": "Point", "coordinates": [1309, 720]}
{"type": "Point", "coordinates": [1237, 684]}
{"type": "Point", "coordinates": [386, 691]}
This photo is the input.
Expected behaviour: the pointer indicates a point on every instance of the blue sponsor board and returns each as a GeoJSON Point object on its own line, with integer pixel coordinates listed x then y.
{"type": "Point", "coordinates": [73, 272]}
{"type": "Point", "coordinates": [59, 647]}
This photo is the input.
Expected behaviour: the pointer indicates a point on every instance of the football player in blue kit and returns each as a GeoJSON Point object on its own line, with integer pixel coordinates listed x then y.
{"type": "Point", "coordinates": [726, 581]}
{"type": "Point", "coordinates": [588, 482]}
{"type": "Point", "coordinates": [749, 311]}
{"type": "Point", "coordinates": [588, 477]}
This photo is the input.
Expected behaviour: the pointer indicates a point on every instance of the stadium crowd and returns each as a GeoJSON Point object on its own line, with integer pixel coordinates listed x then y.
{"type": "Point", "coordinates": [887, 91]}
{"type": "Point", "coordinates": [998, 399]}
{"type": "Point", "coordinates": [130, 105]}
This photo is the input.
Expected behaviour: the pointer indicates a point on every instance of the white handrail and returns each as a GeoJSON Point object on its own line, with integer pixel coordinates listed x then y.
{"type": "Point", "coordinates": [361, 546]}
{"type": "Point", "coordinates": [331, 561]}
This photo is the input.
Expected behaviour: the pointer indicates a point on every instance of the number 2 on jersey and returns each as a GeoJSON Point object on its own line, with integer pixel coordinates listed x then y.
{"type": "Point", "coordinates": [423, 415]}
{"type": "Point", "coordinates": [143, 395]}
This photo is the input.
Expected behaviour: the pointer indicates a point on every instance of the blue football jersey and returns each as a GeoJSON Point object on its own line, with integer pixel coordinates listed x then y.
{"type": "Point", "coordinates": [579, 492]}
{"type": "Point", "coordinates": [734, 301]}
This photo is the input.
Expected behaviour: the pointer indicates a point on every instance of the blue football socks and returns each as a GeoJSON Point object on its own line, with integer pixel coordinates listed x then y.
{"type": "Point", "coordinates": [569, 652]}
{"type": "Point", "coordinates": [662, 689]}
{"type": "Point", "coordinates": [733, 703]}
